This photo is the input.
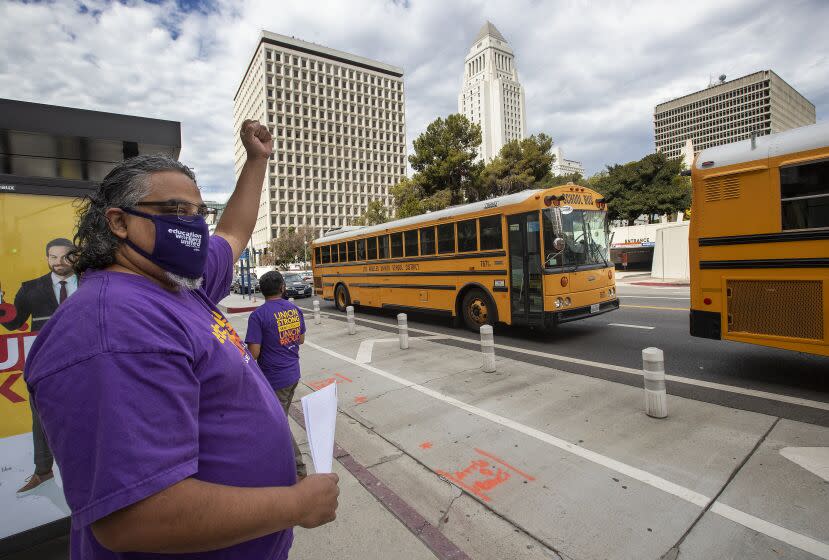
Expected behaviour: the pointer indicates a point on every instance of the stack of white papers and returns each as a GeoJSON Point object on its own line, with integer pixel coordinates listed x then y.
{"type": "Point", "coordinates": [320, 410]}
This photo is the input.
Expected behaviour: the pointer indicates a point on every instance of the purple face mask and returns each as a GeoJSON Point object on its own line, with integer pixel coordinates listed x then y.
{"type": "Point", "coordinates": [180, 247]}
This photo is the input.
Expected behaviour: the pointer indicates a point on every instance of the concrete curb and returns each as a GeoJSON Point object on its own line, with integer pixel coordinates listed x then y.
{"type": "Point", "coordinates": [419, 526]}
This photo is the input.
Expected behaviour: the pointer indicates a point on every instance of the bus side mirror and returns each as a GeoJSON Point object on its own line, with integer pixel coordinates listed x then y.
{"type": "Point", "coordinates": [558, 244]}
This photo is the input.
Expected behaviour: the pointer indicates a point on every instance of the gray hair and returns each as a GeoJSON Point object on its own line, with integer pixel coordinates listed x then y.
{"type": "Point", "coordinates": [125, 185]}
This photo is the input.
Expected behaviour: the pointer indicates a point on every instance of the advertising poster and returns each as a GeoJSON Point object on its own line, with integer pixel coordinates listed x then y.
{"type": "Point", "coordinates": [34, 279]}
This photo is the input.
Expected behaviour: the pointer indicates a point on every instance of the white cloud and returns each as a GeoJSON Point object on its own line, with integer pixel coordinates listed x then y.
{"type": "Point", "coordinates": [592, 72]}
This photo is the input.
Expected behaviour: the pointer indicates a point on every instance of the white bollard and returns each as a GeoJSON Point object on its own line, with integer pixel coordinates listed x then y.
{"type": "Point", "coordinates": [403, 330]}
{"type": "Point", "coordinates": [349, 314]}
{"type": "Point", "coordinates": [656, 398]}
{"type": "Point", "coordinates": [488, 348]}
{"type": "Point", "coordinates": [317, 319]}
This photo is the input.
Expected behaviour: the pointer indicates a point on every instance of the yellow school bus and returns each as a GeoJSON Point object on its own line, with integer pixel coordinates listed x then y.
{"type": "Point", "coordinates": [536, 258]}
{"type": "Point", "coordinates": [759, 241]}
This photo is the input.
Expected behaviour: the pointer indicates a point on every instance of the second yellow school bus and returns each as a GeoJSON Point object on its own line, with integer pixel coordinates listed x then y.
{"type": "Point", "coordinates": [536, 258]}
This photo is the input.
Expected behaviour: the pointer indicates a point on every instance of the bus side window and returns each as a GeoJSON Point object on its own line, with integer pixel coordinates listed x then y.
{"type": "Point", "coordinates": [334, 257]}
{"type": "Point", "coordinates": [361, 249]}
{"type": "Point", "coordinates": [396, 245]}
{"type": "Point", "coordinates": [326, 254]}
{"type": "Point", "coordinates": [427, 241]}
{"type": "Point", "coordinates": [372, 248]}
{"type": "Point", "coordinates": [343, 253]}
{"type": "Point", "coordinates": [383, 245]}
{"type": "Point", "coordinates": [467, 236]}
{"type": "Point", "coordinates": [352, 252]}
{"type": "Point", "coordinates": [318, 258]}
{"type": "Point", "coordinates": [491, 237]}
{"type": "Point", "coordinates": [804, 195]}
{"type": "Point", "coordinates": [410, 245]}
{"type": "Point", "coordinates": [446, 238]}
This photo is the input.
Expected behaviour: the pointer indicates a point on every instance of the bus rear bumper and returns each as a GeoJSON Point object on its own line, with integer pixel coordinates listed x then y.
{"type": "Point", "coordinates": [706, 324]}
{"type": "Point", "coordinates": [557, 317]}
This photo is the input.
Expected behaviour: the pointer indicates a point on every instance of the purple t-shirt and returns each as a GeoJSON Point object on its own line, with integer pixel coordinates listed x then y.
{"type": "Point", "coordinates": [139, 388]}
{"type": "Point", "coordinates": [277, 325]}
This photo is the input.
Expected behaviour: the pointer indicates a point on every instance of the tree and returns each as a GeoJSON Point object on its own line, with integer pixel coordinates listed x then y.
{"type": "Point", "coordinates": [445, 158]}
{"type": "Point", "coordinates": [375, 214]}
{"type": "Point", "coordinates": [290, 247]}
{"type": "Point", "coordinates": [651, 186]}
{"type": "Point", "coordinates": [520, 165]}
{"type": "Point", "coordinates": [410, 198]}
{"type": "Point", "coordinates": [557, 180]}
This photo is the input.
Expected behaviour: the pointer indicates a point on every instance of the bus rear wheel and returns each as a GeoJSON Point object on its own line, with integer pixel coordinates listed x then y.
{"type": "Point", "coordinates": [341, 297]}
{"type": "Point", "coordinates": [477, 310]}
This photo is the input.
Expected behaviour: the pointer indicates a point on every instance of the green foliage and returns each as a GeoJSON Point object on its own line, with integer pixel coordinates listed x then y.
{"type": "Point", "coordinates": [445, 158]}
{"type": "Point", "coordinates": [410, 198]}
{"type": "Point", "coordinates": [289, 247]}
{"type": "Point", "coordinates": [651, 186]}
{"type": "Point", "coordinates": [375, 214]}
{"type": "Point", "coordinates": [521, 164]}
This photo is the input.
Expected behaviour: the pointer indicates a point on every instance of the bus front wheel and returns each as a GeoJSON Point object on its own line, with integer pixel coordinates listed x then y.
{"type": "Point", "coordinates": [341, 297]}
{"type": "Point", "coordinates": [477, 310]}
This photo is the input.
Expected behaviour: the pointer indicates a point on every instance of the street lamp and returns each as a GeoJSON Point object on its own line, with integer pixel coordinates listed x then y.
{"type": "Point", "coordinates": [305, 264]}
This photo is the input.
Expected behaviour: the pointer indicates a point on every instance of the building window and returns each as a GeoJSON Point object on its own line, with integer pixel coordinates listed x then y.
{"type": "Point", "coordinates": [804, 193]}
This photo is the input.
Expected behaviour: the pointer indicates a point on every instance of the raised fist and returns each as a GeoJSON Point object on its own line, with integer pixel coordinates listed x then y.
{"type": "Point", "coordinates": [257, 139]}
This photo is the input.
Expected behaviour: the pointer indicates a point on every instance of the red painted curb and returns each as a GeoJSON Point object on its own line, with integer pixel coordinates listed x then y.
{"type": "Point", "coordinates": [682, 284]}
{"type": "Point", "coordinates": [419, 526]}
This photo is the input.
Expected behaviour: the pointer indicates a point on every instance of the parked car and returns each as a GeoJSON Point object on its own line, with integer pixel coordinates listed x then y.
{"type": "Point", "coordinates": [307, 277]}
{"type": "Point", "coordinates": [296, 286]}
{"type": "Point", "coordinates": [236, 285]}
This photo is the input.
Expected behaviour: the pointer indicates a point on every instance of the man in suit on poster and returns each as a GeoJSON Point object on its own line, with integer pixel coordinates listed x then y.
{"type": "Point", "coordinates": [39, 299]}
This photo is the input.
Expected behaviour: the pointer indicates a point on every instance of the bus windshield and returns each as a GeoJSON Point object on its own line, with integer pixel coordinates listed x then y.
{"type": "Point", "coordinates": [585, 234]}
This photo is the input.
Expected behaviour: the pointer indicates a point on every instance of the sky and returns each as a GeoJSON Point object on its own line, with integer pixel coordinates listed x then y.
{"type": "Point", "coordinates": [592, 71]}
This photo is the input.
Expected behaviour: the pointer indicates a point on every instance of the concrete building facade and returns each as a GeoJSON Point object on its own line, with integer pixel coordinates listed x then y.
{"type": "Point", "coordinates": [339, 128]}
{"type": "Point", "coordinates": [491, 95]}
{"type": "Point", "coordinates": [761, 103]}
{"type": "Point", "coordinates": [562, 166]}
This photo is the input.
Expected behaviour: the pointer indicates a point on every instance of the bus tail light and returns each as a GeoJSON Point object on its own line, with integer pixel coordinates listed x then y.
{"type": "Point", "coordinates": [564, 281]}
{"type": "Point", "coordinates": [707, 301]}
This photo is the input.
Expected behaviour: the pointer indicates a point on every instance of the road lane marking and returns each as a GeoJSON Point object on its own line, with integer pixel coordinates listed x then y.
{"type": "Point", "coordinates": [630, 326]}
{"type": "Point", "coordinates": [820, 405]}
{"type": "Point", "coordinates": [652, 297]}
{"type": "Point", "coordinates": [655, 307]}
{"type": "Point", "coordinates": [782, 534]}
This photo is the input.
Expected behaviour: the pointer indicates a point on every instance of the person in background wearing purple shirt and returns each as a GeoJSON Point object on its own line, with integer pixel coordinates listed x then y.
{"type": "Point", "coordinates": [275, 331]}
{"type": "Point", "coordinates": [167, 435]}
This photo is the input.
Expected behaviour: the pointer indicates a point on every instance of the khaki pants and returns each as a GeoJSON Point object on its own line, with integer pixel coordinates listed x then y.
{"type": "Point", "coordinates": [285, 396]}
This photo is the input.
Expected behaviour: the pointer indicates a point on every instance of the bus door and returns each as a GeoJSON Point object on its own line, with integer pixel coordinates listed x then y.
{"type": "Point", "coordinates": [526, 279]}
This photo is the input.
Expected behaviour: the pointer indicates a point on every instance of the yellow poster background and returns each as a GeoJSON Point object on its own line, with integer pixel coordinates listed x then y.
{"type": "Point", "coordinates": [27, 224]}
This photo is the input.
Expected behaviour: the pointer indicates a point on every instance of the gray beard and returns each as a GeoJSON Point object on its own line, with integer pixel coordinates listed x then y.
{"type": "Point", "coordinates": [184, 283]}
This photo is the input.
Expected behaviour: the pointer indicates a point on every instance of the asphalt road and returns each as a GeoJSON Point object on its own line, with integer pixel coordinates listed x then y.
{"type": "Point", "coordinates": [658, 316]}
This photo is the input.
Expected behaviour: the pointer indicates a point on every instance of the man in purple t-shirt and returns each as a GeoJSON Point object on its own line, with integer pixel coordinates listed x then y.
{"type": "Point", "coordinates": [167, 435]}
{"type": "Point", "coordinates": [275, 331]}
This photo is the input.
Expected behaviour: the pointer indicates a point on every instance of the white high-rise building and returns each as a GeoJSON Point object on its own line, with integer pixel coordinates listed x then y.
{"type": "Point", "coordinates": [491, 95]}
{"type": "Point", "coordinates": [563, 166]}
{"type": "Point", "coordinates": [339, 131]}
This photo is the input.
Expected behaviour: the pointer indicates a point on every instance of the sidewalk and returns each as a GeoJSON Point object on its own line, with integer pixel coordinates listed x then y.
{"type": "Point", "coordinates": [533, 462]}
{"type": "Point", "coordinates": [644, 278]}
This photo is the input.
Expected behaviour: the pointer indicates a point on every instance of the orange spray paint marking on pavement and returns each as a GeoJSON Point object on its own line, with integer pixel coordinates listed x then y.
{"type": "Point", "coordinates": [426, 445]}
{"type": "Point", "coordinates": [322, 383]}
{"type": "Point", "coordinates": [360, 399]}
{"type": "Point", "coordinates": [482, 475]}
